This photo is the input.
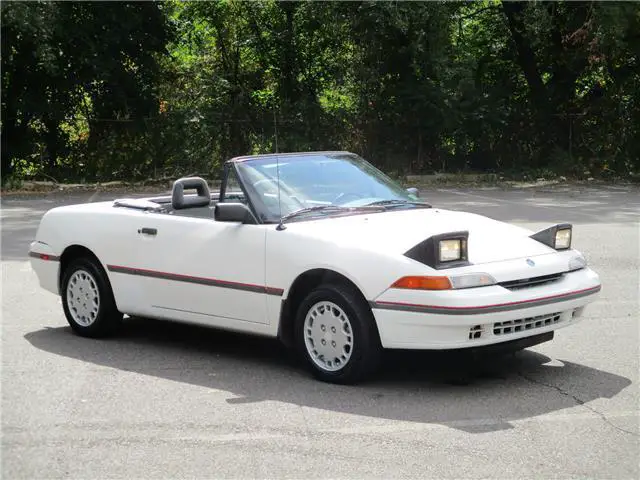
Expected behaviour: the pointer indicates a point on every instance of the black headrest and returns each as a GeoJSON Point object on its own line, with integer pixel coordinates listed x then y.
{"type": "Point", "coordinates": [201, 199]}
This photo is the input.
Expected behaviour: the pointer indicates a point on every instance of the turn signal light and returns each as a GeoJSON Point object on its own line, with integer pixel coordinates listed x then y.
{"type": "Point", "coordinates": [423, 283]}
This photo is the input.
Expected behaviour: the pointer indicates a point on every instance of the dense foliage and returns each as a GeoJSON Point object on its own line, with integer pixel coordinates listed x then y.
{"type": "Point", "coordinates": [107, 90]}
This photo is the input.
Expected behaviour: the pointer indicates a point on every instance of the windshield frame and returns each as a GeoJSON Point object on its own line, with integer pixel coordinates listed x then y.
{"type": "Point", "coordinates": [266, 216]}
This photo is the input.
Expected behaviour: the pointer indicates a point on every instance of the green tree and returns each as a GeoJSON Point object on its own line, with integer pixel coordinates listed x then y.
{"type": "Point", "coordinates": [60, 57]}
{"type": "Point", "coordinates": [129, 89]}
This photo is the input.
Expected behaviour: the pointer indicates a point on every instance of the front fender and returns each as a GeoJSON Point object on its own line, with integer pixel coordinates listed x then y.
{"type": "Point", "coordinates": [289, 255]}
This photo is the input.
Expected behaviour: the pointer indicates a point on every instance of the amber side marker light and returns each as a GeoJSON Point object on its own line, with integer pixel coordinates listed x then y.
{"type": "Point", "coordinates": [423, 283]}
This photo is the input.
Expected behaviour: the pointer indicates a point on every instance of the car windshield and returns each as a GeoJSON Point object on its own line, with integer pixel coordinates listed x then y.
{"type": "Point", "coordinates": [319, 184]}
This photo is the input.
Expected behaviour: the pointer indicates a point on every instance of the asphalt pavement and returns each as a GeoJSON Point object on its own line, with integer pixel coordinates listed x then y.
{"type": "Point", "coordinates": [163, 400]}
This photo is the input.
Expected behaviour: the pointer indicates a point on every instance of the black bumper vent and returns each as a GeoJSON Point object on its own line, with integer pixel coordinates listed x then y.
{"type": "Point", "coordinates": [531, 282]}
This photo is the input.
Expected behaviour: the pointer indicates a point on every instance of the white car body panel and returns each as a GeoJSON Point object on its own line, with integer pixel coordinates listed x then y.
{"type": "Point", "coordinates": [189, 258]}
{"type": "Point", "coordinates": [236, 276]}
{"type": "Point", "coordinates": [368, 249]}
{"type": "Point", "coordinates": [215, 249]}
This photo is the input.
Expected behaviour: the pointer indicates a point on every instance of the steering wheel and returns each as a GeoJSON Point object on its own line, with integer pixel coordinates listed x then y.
{"type": "Point", "coordinates": [346, 195]}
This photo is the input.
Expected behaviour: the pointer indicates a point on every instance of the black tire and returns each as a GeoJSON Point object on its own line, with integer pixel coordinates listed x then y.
{"type": "Point", "coordinates": [366, 350]}
{"type": "Point", "coordinates": [101, 322]}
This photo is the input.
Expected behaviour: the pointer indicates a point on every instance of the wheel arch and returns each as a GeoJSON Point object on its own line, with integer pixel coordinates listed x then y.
{"type": "Point", "coordinates": [301, 286]}
{"type": "Point", "coordinates": [72, 252]}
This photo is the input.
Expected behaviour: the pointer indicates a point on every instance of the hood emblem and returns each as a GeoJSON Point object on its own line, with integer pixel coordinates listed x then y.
{"type": "Point", "coordinates": [530, 262]}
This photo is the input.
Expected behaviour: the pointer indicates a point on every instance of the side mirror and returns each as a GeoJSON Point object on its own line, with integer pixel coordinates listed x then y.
{"type": "Point", "coordinates": [233, 212]}
{"type": "Point", "coordinates": [413, 191]}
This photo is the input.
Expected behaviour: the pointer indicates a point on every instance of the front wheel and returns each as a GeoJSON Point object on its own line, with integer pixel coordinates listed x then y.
{"type": "Point", "coordinates": [87, 299]}
{"type": "Point", "coordinates": [337, 336]}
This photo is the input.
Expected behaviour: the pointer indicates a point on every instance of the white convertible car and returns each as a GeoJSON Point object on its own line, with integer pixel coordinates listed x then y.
{"type": "Point", "coordinates": [321, 250]}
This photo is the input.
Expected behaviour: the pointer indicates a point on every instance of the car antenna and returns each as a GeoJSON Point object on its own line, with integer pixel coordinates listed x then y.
{"type": "Point", "coordinates": [281, 225]}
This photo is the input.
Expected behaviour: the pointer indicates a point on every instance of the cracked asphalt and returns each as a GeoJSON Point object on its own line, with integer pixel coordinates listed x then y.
{"type": "Point", "coordinates": [164, 400]}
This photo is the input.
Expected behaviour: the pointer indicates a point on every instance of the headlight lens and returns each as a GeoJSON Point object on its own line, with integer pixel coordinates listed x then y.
{"type": "Point", "coordinates": [472, 280]}
{"type": "Point", "coordinates": [563, 238]}
{"type": "Point", "coordinates": [450, 250]}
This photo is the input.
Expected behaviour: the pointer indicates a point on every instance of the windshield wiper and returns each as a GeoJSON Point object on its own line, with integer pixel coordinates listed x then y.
{"type": "Point", "coordinates": [317, 208]}
{"type": "Point", "coordinates": [338, 208]}
{"type": "Point", "coordinates": [330, 209]}
{"type": "Point", "coordinates": [393, 203]}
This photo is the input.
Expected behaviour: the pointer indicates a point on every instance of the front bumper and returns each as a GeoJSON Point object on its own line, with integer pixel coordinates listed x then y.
{"type": "Point", "coordinates": [481, 316]}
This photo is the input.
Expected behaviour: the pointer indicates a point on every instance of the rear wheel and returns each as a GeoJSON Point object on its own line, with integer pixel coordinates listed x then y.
{"type": "Point", "coordinates": [336, 335]}
{"type": "Point", "coordinates": [87, 299]}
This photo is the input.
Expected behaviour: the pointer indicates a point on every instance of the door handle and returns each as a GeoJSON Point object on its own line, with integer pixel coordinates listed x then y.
{"type": "Point", "coordinates": [148, 231]}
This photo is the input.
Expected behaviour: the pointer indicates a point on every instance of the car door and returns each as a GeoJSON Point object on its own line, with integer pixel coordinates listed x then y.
{"type": "Point", "coordinates": [202, 270]}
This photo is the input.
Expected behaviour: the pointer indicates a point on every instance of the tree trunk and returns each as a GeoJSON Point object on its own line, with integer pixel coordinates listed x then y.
{"type": "Point", "coordinates": [52, 139]}
{"type": "Point", "coordinates": [541, 106]}
{"type": "Point", "coordinates": [8, 132]}
{"type": "Point", "coordinates": [12, 141]}
{"type": "Point", "coordinates": [526, 56]}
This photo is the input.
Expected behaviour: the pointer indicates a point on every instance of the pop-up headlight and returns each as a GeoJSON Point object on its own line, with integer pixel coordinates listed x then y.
{"type": "Point", "coordinates": [447, 250]}
{"type": "Point", "coordinates": [450, 250]}
{"type": "Point", "coordinates": [557, 236]}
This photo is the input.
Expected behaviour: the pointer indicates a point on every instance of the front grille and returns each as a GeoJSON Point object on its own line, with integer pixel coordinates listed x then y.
{"type": "Point", "coordinates": [531, 282]}
{"type": "Point", "coordinates": [522, 324]}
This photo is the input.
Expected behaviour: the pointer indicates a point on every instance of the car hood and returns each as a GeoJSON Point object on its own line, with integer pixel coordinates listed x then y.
{"type": "Point", "coordinates": [395, 232]}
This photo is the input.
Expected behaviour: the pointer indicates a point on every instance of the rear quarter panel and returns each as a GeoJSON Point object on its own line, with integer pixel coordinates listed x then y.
{"type": "Point", "coordinates": [108, 232]}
